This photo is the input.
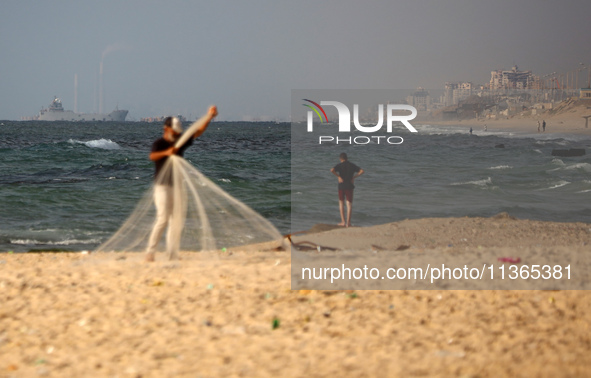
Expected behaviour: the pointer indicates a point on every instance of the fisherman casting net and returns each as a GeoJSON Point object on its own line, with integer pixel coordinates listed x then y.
{"type": "Point", "coordinates": [199, 215]}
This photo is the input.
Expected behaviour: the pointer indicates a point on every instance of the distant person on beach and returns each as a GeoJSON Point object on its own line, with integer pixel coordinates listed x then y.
{"type": "Point", "coordinates": [346, 173]}
{"type": "Point", "coordinates": [485, 128]}
{"type": "Point", "coordinates": [544, 126]}
{"type": "Point", "coordinates": [162, 148]}
{"type": "Point", "coordinates": [470, 131]}
{"type": "Point", "coordinates": [538, 125]}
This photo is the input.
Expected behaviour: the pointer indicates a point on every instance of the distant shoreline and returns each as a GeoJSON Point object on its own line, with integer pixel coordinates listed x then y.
{"type": "Point", "coordinates": [567, 117]}
{"type": "Point", "coordinates": [522, 125]}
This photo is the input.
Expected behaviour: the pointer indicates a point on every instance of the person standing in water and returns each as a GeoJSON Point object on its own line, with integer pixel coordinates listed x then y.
{"type": "Point", "coordinates": [162, 148]}
{"type": "Point", "coordinates": [346, 173]}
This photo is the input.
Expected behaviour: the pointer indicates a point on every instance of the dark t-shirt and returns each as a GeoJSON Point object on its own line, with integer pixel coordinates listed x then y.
{"type": "Point", "coordinates": [346, 171]}
{"type": "Point", "coordinates": [161, 145]}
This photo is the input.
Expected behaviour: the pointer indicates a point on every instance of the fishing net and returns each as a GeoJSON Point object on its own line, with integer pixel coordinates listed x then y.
{"type": "Point", "coordinates": [198, 215]}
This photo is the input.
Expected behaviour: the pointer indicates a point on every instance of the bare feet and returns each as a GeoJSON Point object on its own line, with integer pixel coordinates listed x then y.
{"type": "Point", "coordinates": [150, 257]}
{"type": "Point", "coordinates": [342, 224]}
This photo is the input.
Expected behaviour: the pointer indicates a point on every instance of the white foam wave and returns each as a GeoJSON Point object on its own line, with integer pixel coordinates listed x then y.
{"type": "Point", "coordinates": [62, 242]}
{"type": "Point", "coordinates": [558, 184]}
{"type": "Point", "coordinates": [502, 167]}
{"type": "Point", "coordinates": [483, 182]}
{"type": "Point", "coordinates": [225, 180]}
{"type": "Point", "coordinates": [584, 166]}
{"type": "Point", "coordinates": [105, 144]}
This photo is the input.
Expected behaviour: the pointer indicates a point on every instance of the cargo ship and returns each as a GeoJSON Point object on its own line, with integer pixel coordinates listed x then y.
{"type": "Point", "coordinates": [56, 112]}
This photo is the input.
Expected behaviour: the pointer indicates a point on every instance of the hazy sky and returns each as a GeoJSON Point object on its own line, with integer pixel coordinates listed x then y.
{"type": "Point", "coordinates": [177, 57]}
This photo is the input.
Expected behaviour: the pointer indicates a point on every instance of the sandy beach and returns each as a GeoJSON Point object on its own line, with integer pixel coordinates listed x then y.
{"type": "Point", "coordinates": [233, 313]}
{"type": "Point", "coordinates": [567, 118]}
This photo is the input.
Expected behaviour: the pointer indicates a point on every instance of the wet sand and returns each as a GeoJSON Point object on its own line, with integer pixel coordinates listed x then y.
{"type": "Point", "coordinates": [233, 313]}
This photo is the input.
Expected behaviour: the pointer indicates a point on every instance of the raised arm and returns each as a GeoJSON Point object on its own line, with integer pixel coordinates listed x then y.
{"type": "Point", "coordinates": [211, 113]}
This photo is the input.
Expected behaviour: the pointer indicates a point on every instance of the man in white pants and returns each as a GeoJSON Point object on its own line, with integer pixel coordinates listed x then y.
{"type": "Point", "coordinates": [163, 189]}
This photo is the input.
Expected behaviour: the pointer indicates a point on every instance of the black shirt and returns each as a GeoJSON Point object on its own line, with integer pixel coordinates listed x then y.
{"type": "Point", "coordinates": [346, 171]}
{"type": "Point", "coordinates": [161, 145]}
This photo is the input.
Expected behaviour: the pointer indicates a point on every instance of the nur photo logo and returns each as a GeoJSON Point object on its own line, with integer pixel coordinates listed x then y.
{"type": "Point", "coordinates": [344, 121]}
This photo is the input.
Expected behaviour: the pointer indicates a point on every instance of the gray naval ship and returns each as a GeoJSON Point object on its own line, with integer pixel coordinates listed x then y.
{"type": "Point", "coordinates": [56, 112]}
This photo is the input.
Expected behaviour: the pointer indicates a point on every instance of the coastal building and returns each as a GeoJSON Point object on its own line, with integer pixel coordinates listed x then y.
{"type": "Point", "coordinates": [420, 99]}
{"type": "Point", "coordinates": [585, 94]}
{"type": "Point", "coordinates": [456, 92]}
{"type": "Point", "coordinates": [513, 79]}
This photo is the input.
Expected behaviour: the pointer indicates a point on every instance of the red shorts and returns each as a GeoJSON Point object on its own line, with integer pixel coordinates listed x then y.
{"type": "Point", "coordinates": [346, 193]}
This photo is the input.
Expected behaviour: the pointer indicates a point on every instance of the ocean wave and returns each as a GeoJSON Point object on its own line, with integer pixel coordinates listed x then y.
{"type": "Point", "coordinates": [61, 242]}
{"type": "Point", "coordinates": [482, 183]}
{"type": "Point", "coordinates": [105, 144]}
{"type": "Point", "coordinates": [543, 142]}
{"type": "Point", "coordinates": [558, 184]}
{"type": "Point", "coordinates": [584, 166]}
{"type": "Point", "coordinates": [557, 162]}
{"type": "Point", "coordinates": [501, 167]}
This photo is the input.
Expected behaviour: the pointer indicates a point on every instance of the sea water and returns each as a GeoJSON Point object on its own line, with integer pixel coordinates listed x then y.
{"type": "Point", "coordinates": [69, 186]}
{"type": "Point", "coordinates": [444, 172]}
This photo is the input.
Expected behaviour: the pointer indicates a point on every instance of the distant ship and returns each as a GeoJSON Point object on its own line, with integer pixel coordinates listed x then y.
{"type": "Point", "coordinates": [56, 112]}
